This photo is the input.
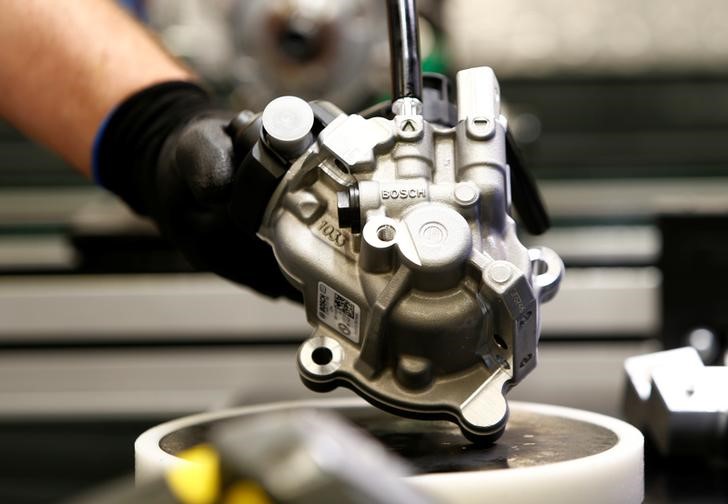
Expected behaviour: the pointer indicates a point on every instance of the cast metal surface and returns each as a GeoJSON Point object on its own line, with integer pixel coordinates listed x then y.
{"type": "Point", "coordinates": [398, 232]}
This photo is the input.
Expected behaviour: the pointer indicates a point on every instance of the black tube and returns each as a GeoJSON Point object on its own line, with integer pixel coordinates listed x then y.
{"type": "Point", "coordinates": [404, 49]}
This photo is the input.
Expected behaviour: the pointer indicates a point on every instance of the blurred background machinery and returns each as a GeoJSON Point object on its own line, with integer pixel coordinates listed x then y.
{"type": "Point", "coordinates": [622, 112]}
{"type": "Point", "coordinates": [258, 50]}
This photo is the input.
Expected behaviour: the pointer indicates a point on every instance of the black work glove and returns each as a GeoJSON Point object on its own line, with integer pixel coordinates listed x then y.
{"type": "Point", "coordinates": [166, 152]}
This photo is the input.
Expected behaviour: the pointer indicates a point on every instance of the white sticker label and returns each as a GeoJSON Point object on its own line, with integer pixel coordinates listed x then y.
{"type": "Point", "coordinates": [338, 312]}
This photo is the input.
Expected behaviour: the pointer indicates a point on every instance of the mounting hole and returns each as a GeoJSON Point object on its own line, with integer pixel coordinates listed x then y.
{"type": "Point", "coordinates": [386, 233]}
{"type": "Point", "coordinates": [322, 355]}
{"type": "Point", "coordinates": [540, 266]}
{"type": "Point", "coordinates": [500, 342]}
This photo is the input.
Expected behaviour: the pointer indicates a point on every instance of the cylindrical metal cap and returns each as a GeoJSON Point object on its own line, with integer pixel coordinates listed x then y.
{"type": "Point", "coordinates": [287, 122]}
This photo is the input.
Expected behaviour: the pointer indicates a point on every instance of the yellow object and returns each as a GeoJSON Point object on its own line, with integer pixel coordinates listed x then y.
{"type": "Point", "coordinates": [246, 492]}
{"type": "Point", "coordinates": [198, 481]}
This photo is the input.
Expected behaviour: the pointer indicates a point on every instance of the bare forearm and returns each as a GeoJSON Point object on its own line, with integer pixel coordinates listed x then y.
{"type": "Point", "coordinates": [65, 65]}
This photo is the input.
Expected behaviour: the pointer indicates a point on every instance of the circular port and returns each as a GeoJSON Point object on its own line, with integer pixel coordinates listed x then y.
{"type": "Point", "coordinates": [386, 233]}
{"type": "Point", "coordinates": [322, 355]}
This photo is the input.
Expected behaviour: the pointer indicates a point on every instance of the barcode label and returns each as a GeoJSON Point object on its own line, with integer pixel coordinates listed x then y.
{"type": "Point", "coordinates": [338, 312]}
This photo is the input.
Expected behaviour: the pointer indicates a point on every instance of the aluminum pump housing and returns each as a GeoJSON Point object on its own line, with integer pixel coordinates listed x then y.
{"type": "Point", "coordinates": [398, 233]}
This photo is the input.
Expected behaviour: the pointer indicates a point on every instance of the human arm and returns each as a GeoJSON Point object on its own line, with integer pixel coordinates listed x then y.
{"type": "Point", "coordinates": [65, 65]}
{"type": "Point", "coordinates": [86, 80]}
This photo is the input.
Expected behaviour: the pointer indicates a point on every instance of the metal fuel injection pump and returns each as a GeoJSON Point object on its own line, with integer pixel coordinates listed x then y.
{"type": "Point", "coordinates": [396, 226]}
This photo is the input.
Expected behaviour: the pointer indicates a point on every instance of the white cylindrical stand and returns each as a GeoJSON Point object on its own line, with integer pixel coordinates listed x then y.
{"type": "Point", "coordinates": [612, 474]}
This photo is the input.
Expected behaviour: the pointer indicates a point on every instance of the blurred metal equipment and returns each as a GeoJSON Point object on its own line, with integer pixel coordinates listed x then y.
{"type": "Point", "coordinates": [694, 304]}
{"type": "Point", "coordinates": [547, 454]}
{"type": "Point", "coordinates": [679, 402]}
{"type": "Point", "coordinates": [399, 234]}
{"type": "Point", "coordinates": [284, 456]}
{"type": "Point", "coordinates": [530, 38]}
{"type": "Point", "coordinates": [331, 49]}
{"type": "Point", "coordinates": [306, 456]}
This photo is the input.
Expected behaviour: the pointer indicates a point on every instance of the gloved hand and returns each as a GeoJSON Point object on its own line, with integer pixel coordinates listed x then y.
{"type": "Point", "coordinates": [166, 152]}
